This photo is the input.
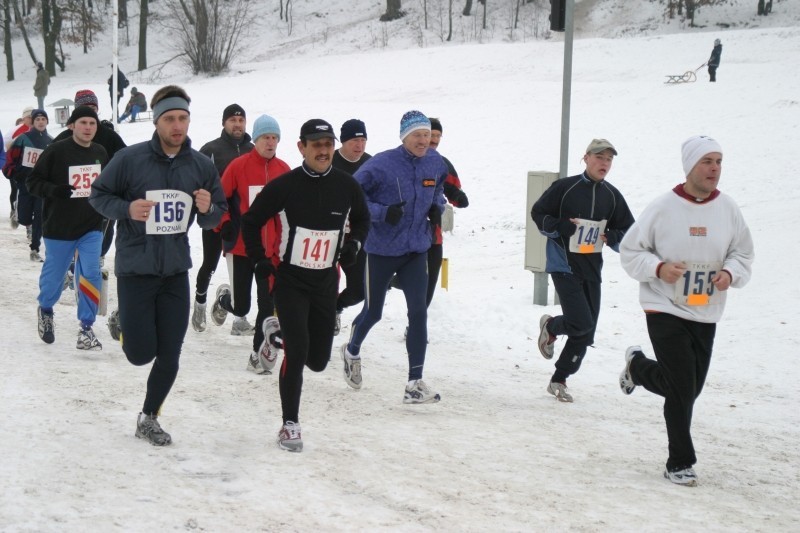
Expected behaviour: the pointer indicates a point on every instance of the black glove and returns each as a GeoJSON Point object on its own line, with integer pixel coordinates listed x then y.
{"type": "Point", "coordinates": [349, 252]}
{"type": "Point", "coordinates": [263, 268]}
{"type": "Point", "coordinates": [63, 191]}
{"type": "Point", "coordinates": [566, 228]}
{"type": "Point", "coordinates": [456, 196]}
{"type": "Point", "coordinates": [394, 213]}
{"type": "Point", "coordinates": [612, 238]}
{"type": "Point", "coordinates": [435, 215]}
{"type": "Point", "coordinates": [228, 232]}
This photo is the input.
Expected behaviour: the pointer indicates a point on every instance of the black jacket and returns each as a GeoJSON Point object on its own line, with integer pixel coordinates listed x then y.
{"type": "Point", "coordinates": [225, 149]}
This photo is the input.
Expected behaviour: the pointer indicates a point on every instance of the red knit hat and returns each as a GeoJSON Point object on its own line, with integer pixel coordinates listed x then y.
{"type": "Point", "coordinates": [85, 97]}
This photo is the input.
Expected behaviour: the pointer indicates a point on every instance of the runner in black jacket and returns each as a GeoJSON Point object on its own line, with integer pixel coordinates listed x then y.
{"type": "Point", "coordinates": [312, 204]}
{"type": "Point", "coordinates": [578, 215]}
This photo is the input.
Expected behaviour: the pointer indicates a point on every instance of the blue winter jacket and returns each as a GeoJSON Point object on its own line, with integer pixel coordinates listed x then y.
{"type": "Point", "coordinates": [144, 167]}
{"type": "Point", "coordinates": [396, 176]}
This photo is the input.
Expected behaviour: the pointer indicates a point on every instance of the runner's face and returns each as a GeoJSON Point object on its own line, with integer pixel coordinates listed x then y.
{"type": "Point", "coordinates": [40, 124]}
{"type": "Point", "coordinates": [172, 128]}
{"type": "Point", "coordinates": [417, 142]}
{"type": "Point", "coordinates": [436, 138]}
{"type": "Point", "coordinates": [235, 127]}
{"type": "Point", "coordinates": [353, 149]}
{"type": "Point", "coordinates": [598, 165]}
{"type": "Point", "coordinates": [84, 130]}
{"type": "Point", "coordinates": [266, 145]}
{"type": "Point", "coordinates": [704, 177]}
{"type": "Point", "coordinates": [318, 154]}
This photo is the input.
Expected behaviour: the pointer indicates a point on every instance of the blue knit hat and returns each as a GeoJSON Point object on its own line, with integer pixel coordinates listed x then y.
{"type": "Point", "coordinates": [352, 129]}
{"type": "Point", "coordinates": [412, 121]}
{"type": "Point", "coordinates": [265, 124]}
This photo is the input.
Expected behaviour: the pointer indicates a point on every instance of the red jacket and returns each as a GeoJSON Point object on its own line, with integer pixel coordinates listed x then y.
{"type": "Point", "coordinates": [242, 181]}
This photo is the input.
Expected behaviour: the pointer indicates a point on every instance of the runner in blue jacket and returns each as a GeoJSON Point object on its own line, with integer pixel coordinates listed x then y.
{"type": "Point", "coordinates": [403, 187]}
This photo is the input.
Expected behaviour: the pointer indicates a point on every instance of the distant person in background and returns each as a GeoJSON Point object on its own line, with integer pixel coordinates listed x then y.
{"type": "Point", "coordinates": [20, 160]}
{"type": "Point", "coordinates": [136, 104]}
{"type": "Point", "coordinates": [122, 84]}
{"type": "Point", "coordinates": [687, 249]}
{"type": "Point", "coordinates": [155, 189]}
{"type": "Point", "coordinates": [242, 181]}
{"type": "Point", "coordinates": [349, 158]}
{"type": "Point", "coordinates": [63, 178]}
{"type": "Point", "coordinates": [231, 143]}
{"type": "Point", "coordinates": [713, 61]}
{"type": "Point", "coordinates": [579, 215]}
{"type": "Point", "coordinates": [41, 84]}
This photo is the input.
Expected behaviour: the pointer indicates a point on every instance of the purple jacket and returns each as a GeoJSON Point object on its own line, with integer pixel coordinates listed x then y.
{"type": "Point", "coordinates": [396, 176]}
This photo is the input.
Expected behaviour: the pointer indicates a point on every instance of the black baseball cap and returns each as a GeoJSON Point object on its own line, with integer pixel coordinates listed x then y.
{"type": "Point", "coordinates": [316, 128]}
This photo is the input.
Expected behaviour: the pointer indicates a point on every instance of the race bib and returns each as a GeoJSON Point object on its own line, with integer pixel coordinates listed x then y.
{"type": "Point", "coordinates": [170, 214]}
{"type": "Point", "coordinates": [695, 287]}
{"type": "Point", "coordinates": [252, 192]}
{"type": "Point", "coordinates": [30, 155]}
{"type": "Point", "coordinates": [586, 239]}
{"type": "Point", "coordinates": [81, 177]}
{"type": "Point", "coordinates": [314, 248]}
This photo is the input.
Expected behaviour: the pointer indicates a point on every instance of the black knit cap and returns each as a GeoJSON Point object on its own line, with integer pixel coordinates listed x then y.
{"type": "Point", "coordinates": [436, 125]}
{"type": "Point", "coordinates": [81, 112]}
{"type": "Point", "coordinates": [39, 113]}
{"type": "Point", "coordinates": [352, 129]}
{"type": "Point", "coordinates": [233, 110]}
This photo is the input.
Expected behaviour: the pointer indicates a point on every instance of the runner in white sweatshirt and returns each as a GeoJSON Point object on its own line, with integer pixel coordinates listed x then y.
{"type": "Point", "coordinates": [686, 249]}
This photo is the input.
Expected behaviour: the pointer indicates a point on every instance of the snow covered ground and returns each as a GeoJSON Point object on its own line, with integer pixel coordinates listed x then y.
{"type": "Point", "coordinates": [498, 452]}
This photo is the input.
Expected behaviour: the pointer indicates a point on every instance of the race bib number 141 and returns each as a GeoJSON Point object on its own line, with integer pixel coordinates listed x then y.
{"type": "Point", "coordinates": [314, 249]}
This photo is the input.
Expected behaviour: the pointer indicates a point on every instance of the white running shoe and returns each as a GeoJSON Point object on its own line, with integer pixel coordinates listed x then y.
{"type": "Point", "coordinates": [351, 368]}
{"type": "Point", "coordinates": [218, 313]}
{"type": "Point", "coordinates": [559, 390]}
{"type": "Point", "coordinates": [625, 379]}
{"type": "Point", "coordinates": [46, 326]}
{"type": "Point", "coordinates": [199, 317]}
{"type": "Point", "coordinates": [418, 392]}
{"type": "Point", "coordinates": [685, 477]}
{"type": "Point", "coordinates": [87, 340]}
{"type": "Point", "coordinates": [268, 351]}
{"type": "Point", "coordinates": [547, 341]}
{"type": "Point", "coordinates": [35, 257]}
{"type": "Point", "coordinates": [290, 438]}
{"type": "Point", "coordinates": [242, 328]}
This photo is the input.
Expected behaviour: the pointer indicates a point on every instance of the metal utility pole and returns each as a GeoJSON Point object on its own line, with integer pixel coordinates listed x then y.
{"type": "Point", "coordinates": [566, 90]}
{"type": "Point", "coordinates": [114, 61]}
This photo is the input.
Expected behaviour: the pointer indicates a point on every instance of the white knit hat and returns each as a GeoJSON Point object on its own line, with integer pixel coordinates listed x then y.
{"type": "Point", "coordinates": [694, 148]}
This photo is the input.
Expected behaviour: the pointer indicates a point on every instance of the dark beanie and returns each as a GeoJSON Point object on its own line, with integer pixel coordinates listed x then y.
{"type": "Point", "coordinates": [436, 124]}
{"type": "Point", "coordinates": [39, 113]}
{"type": "Point", "coordinates": [233, 110]}
{"type": "Point", "coordinates": [82, 111]}
{"type": "Point", "coordinates": [352, 129]}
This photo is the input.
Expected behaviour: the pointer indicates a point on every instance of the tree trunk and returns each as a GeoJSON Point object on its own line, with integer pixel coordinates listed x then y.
{"type": "Point", "coordinates": [51, 29]}
{"type": "Point", "coordinates": [484, 13]}
{"type": "Point", "coordinates": [393, 11]}
{"type": "Point", "coordinates": [142, 34]}
{"type": "Point", "coordinates": [7, 40]}
{"type": "Point", "coordinates": [467, 8]}
{"type": "Point", "coordinates": [449, 20]}
{"type": "Point", "coordinates": [19, 18]}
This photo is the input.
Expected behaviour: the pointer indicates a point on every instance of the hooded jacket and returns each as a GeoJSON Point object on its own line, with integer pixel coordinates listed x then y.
{"type": "Point", "coordinates": [225, 149]}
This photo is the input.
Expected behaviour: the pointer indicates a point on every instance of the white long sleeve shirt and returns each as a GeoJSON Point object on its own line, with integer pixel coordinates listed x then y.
{"type": "Point", "coordinates": [709, 235]}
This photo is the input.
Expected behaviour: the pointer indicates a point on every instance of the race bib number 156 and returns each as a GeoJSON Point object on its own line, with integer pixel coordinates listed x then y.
{"type": "Point", "coordinates": [171, 212]}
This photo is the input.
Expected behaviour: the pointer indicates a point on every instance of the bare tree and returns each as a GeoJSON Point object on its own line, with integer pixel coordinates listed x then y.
{"type": "Point", "coordinates": [7, 40]}
{"type": "Point", "coordinates": [212, 42]}
{"type": "Point", "coordinates": [21, 23]}
{"type": "Point", "coordinates": [467, 8]}
{"type": "Point", "coordinates": [449, 20]}
{"type": "Point", "coordinates": [143, 14]}
{"type": "Point", "coordinates": [393, 11]}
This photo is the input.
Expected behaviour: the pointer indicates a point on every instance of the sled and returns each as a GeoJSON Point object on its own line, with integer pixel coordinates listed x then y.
{"type": "Point", "coordinates": [687, 77]}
